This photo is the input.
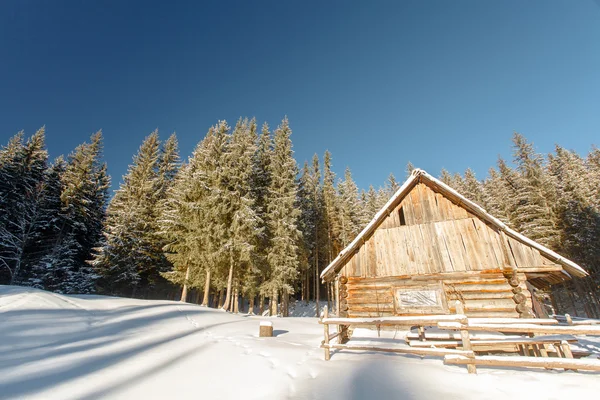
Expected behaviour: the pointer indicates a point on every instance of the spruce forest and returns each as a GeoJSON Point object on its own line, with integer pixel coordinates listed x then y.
{"type": "Point", "coordinates": [239, 226]}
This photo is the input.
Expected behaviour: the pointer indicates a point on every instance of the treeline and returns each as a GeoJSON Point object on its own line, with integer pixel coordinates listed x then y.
{"type": "Point", "coordinates": [238, 226]}
{"type": "Point", "coordinates": [235, 226]}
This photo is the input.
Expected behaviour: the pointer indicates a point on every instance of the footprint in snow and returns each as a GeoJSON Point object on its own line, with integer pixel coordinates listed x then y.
{"type": "Point", "coordinates": [291, 373]}
{"type": "Point", "coordinates": [313, 374]}
{"type": "Point", "coordinates": [274, 363]}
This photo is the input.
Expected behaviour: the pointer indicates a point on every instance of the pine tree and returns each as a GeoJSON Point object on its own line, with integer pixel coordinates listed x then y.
{"type": "Point", "coordinates": [331, 209]}
{"type": "Point", "coordinates": [349, 210]}
{"type": "Point", "coordinates": [306, 224]}
{"type": "Point", "coordinates": [534, 216]}
{"type": "Point", "coordinates": [497, 196]}
{"type": "Point", "coordinates": [392, 185]}
{"type": "Point", "coordinates": [244, 233]}
{"type": "Point", "coordinates": [282, 217]}
{"type": "Point", "coordinates": [132, 257]}
{"type": "Point", "coordinates": [409, 169]}
{"type": "Point", "coordinates": [22, 171]}
{"type": "Point", "coordinates": [578, 212]}
{"type": "Point", "coordinates": [261, 181]}
{"type": "Point", "coordinates": [371, 205]}
{"type": "Point", "coordinates": [473, 188]}
{"type": "Point", "coordinates": [446, 177]}
{"type": "Point", "coordinates": [43, 256]}
{"type": "Point", "coordinates": [382, 198]}
{"type": "Point", "coordinates": [84, 199]}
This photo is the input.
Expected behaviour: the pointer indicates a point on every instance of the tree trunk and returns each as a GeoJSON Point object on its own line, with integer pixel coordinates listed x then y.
{"type": "Point", "coordinates": [206, 288]}
{"type": "Point", "coordinates": [236, 300]}
{"type": "Point", "coordinates": [261, 305]}
{"type": "Point", "coordinates": [273, 304]}
{"type": "Point", "coordinates": [285, 302]}
{"type": "Point", "coordinates": [185, 286]}
{"type": "Point", "coordinates": [197, 301]}
{"type": "Point", "coordinates": [316, 291]}
{"type": "Point", "coordinates": [220, 299]}
{"type": "Point", "coordinates": [251, 305]}
{"type": "Point", "coordinates": [229, 282]}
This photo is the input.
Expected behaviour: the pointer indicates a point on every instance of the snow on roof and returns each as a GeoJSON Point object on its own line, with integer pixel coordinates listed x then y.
{"type": "Point", "coordinates": [418, 175]}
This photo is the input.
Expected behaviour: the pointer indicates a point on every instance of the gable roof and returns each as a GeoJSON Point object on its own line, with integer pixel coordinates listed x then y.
{"type": "Point", "coordinates": [418, 176]}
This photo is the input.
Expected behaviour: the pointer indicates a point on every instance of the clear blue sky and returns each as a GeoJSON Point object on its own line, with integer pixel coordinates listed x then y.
{"type": "Point", "coordinates": [378, 83]}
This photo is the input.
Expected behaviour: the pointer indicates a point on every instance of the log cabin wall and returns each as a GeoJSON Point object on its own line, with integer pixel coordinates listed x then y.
{"type": "Point", "coordinates": [431, 242]}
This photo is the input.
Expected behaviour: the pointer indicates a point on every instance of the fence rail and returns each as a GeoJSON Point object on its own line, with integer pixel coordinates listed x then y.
{"type": "Point", "coordinates": [551, 350]}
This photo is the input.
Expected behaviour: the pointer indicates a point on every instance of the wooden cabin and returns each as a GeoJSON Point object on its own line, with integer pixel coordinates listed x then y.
{"type": "Point", "coordinates": [428, 247]}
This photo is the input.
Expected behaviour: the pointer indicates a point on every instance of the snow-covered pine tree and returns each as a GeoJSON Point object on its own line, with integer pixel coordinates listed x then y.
{"type": "Point", "coordinates": [261, 181]}
{"type": "Point", "coordinates": [282, 217]}
{"type": "Point", "coordinates": [131, 259]}
{"type": "Point", "coordinates": [349, 209]}
{"type": "Point", "coordinates": [363, 216]}
{"type": "Point", "coordinates": [409, 169]}
{"type": "Point", "coordinates": [168, 166]}
{"type": "Point", "coordinates": [473, 188]}
{"type": "Point", "coordinates": [331, 216]}
{"type": "Point", "coordinates": [392, 185]}
{"type": "Point", "coordinates": [43, 254]}
{"type": "Point", "coordinates": [458, 183]}
{"type": "Point", "coordinates": [371, 205]}
{"type": "Point", "coordinates": [446, 177]}
{"type": "Point", "coordinates": [382, 198]}
{"type": "Point", "coordinates": [496, 196]}
{"type": "Point", "coordinates": [578, 218]}
{"type": "Point", "coordinates": [187, 221]}
{"type": "Point", "coordinates": [219, 210]}
{"type": "Point", "coordinates": [22, 172]}
{"type": "Point", "coordinates": [306, 225]}
{"type": "Point", "coordinates": [84, 198]}
{"type": "Point", "coordinates": [245, 225]}
{"type": "Point", "coordinates": [534, 195]}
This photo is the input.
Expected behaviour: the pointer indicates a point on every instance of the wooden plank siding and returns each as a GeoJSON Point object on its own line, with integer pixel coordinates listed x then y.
{"type": "Point", "coordinates": [430, 239]}
{"type": "Point", "coordinates": [438, 236]}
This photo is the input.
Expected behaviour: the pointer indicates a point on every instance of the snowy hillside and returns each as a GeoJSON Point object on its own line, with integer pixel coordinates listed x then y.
{"type": "Point", "coordinates": [79, 347]}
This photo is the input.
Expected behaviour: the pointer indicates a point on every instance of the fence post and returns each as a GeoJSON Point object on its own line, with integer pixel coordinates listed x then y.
{"type": "Point", "coordinates": [464, 335]}
{"type": "Point", "coordinates": [326, 328]}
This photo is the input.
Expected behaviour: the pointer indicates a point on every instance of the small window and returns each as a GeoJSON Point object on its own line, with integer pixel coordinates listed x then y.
{"type": "Point", "coordinates": [401, 215]}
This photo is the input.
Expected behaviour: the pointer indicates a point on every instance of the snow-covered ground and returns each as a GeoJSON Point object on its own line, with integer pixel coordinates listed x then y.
{"type": "Point", "coordinates": [87, 347]}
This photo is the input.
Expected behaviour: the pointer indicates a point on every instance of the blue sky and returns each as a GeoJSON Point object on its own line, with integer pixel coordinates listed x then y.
{"type": "Point", "coordinates": [440, 83]}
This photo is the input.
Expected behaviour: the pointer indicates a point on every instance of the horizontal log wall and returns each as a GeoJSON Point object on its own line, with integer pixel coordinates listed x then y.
{"type": "Point", "coordinates": [484, 294]}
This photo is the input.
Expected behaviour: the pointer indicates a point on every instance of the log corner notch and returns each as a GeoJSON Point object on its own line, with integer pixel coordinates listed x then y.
{"type": "Point", "coordinates": [519, 297]}
{"type": "Point", "coordinates": [343, 308]}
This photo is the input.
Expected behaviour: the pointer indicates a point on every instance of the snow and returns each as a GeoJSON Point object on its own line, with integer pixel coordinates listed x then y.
{"type": "Point", "coordinates": [266, 323]}
{"type": "Point", "coordinates": [79, 347]}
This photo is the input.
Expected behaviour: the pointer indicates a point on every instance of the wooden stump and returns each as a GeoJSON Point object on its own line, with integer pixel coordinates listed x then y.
{"type": "Point", "coordinates": [266, 329]}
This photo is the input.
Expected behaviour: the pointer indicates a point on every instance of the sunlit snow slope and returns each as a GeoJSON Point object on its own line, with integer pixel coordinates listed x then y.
{"type": "Point", "coordinates": [80, 347]}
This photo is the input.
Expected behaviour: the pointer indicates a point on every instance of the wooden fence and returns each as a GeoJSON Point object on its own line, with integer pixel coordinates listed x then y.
{"type": "Point", "coordinates": [540, 343]}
